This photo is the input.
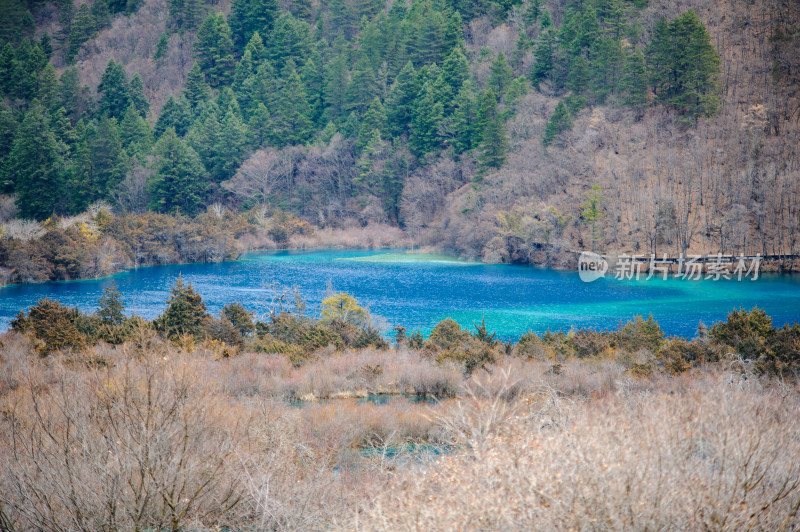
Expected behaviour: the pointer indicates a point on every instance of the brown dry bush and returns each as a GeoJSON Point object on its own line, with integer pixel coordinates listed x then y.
{"type": "Point", "coordinates": [137, 446]}
{"type": "Point", "coordinates": [716, 455]}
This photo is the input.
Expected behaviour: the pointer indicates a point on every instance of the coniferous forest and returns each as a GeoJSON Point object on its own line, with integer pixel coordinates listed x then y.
{"type": "Point", "coordinates": [478, 127]}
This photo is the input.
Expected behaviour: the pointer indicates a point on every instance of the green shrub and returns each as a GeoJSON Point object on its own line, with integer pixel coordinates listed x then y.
{"type": "Point", "coordinates": [588, 343]}
{"type": "Point", "coordinates": [447, 335]}
{"type": "Point", "coordinates": [639, 334]}
{"type": "Point", "coordinates": [531, 346]}
{"type": "Point", "coordinates": [53, 326]}
{"type": "Point", "coordinates": [782, 358]}
{"type": "Point", "coordinates": [239, 318]}
{"type": "Point", "coordinates": [185, 312]}
{"type": "Point", "coordinates": [746, 332]}
{"type": "Point", "coordinates": [678, 356]}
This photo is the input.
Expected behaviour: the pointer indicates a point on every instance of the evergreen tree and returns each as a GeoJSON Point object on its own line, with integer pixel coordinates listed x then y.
{"type": "Point", "coordinates": [114, 91]}
{"type": "Point", "coordinates": [369, 162]}
{"type": "Point", "coordinates": [37, 166]}
{"type": "Point", "coordinates": [101, 14]}
{"type": "Point", "coordinates": [685, 66]}
{"type": "Point", "coordinates": [493, 144]}
{"type": "Point", "coordinates": [312, 76]}
{"type": "Point", "coordinates": [47, 86]}
{"type": "Point", "coordinates": [500, 76]}
{"type": "Point", "coordinates": [427, 115]}
{"type": "Point", "coordinates": [290, 39]}
{"type": "Point", "coordinates": [83, 28]}
{"type": "Point", "coordinates": [374, 122]}
{"type": "Point", "coordinates": [231, 150]}
{"type": "Point", "coordinates": [8, 130]}
{"type": "Point", "coordinates": [362, 89]}
{"type": "Point", "coordinates": [635, 82]}
{"type": "Point", "coordinates": [465, 118]}
{"type": "Point", "coordinates": [185, 312]}
{"type": "Point", "coordinates": [175, 114]}
{"type": "Point", "coordinates": [400, 102]}
{"type": "Point", "coordinates": [196, 89]}
{"type": "Point", "coordinates": [608, 67]}
{"type": "Point", "coordinates": [292, 120]}
{"type": "Point", "coordinates": [533, 11]}
{"type": "Point", "coordinates": [214, 50]}
{"type": "Point", "coordinates": [161, 47]}
{"type": "Point", "coordinates": [250, 16]}
{"type": "Point", "coordinates": [100, 164]}
{"type": "Point", "coordinates": [455, 71]}
{"type": "Point", "coordinates": [7, 56]}
{"type": "Point", "coordinates": [137, 96]}
{"type": "Point", "coordinates": [335, 82]}
{"type": "Point", "coordinates": [543, 56]}
{"type": "Point", "coordinates": [135, 133]}
{"type": "Point", "coordinates": [70, 95]}
{"type": "Point", "coordinates": [110, 308]}
{"type": "Point", "coordinates": [260, 125]}
{"type": "Point", "coordinates": [559, 122]}
{"type": "Point", "coordinates": [179, 184]}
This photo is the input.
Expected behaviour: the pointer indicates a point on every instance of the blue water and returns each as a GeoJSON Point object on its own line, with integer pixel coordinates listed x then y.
{"type": "Point", "coordinates": [417, 291]}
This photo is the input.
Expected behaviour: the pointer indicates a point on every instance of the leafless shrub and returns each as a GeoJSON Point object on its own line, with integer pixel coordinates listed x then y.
{"type": "Point", "coordinates": [712, 456]}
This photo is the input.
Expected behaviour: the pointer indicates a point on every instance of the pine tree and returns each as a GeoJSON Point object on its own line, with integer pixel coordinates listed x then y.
{"type": "Point", "coordinates": [400, 102]}
{"type": "Point", "coordinates": [83, 28]}
{"type": "Point", "coordinates": [335, 82]}
{"type": "Point", "coordinates": [7, 56]}
{"type": "Point", "coordinates": [312, 76]}
{"type": "Point", "coordinates": [424, 137]}
{"type": "Point", "coordinates": [36, 164]}
{"type": "Point", "coordinates": [110, 308]}
{"type": "Point", "coordinates": [455, 71]}
{"type": "Point", "coordinates": [292, 120]}
{"type": "Point", "coordinates": [290, 39]}
{"type": "Point", "coordinates": [635, 82]}
{"type": "Point", "coordinates": [100, 164]}
{"type": "Point", "coordinates": [374, 121]}
{"type": "Point", "coordinates": [114, 91]}
{"type": "Point", "coordinates": [47, 86]}
{"type": "Point", "coordinates": [362, 89]}
{"type": "Point", "coordinates": [493, 144]}
{"type": "Point", "coordinates": [135, 133]}
{"type": "Point", "coordinates": [161, 47]}
{"type": "Point", "coordinates": [608, 67]}
{"type": "Point", "coordinates": [196, 89]}
{"type": "Point", "coordinates": [175, 114]}
{"type": "Point", "coordinates": [543, 55]}
{"type": "Point", "coordinates": [179, 185]}
{"type": "Point", "coordinates": [685, 66]}
{"type": "Point", "coordinates": [233, 141]}
{"type": "Point", "coordinates": [185, 312]}
{"type": "Point", "coordinates": [137, 96]}
{"type": "Point", "coordinates": [500, 76]}
{"type": "Point", "coordinates": [101, 14]}
{"type": "Point", "coordinates": [465, 118]}
{"type": "Point", "coordinates": [250, 16]}
{"type": "Point", "coordinates": [70, 95]}
{"type": "Point", "coordinates": [110, 163]}
{"type": "Point", "coordinates": [533, 11]}
{"type": "Point", "coordinates": [214, 50]}
{"type": "Point", "coordinates": [559, 122]}
{"type": "Point", "coordinates": [369, 162]}
{"type": "Point", "coordinates": [579, 75]}
{"type": "Point", "coordinates": [260, 126]}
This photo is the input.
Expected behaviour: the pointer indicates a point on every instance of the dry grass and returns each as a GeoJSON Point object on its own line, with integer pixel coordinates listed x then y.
{"type": "Point", "coordinates": [145, 435]}
{"type": "Point", "coordinates": [704, 453]}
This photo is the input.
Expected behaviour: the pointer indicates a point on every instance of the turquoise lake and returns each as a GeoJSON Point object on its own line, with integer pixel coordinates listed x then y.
{"type": "Point", "coordinates": [417, 291]}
